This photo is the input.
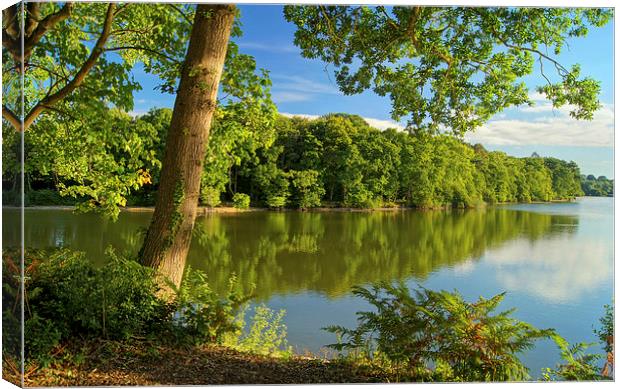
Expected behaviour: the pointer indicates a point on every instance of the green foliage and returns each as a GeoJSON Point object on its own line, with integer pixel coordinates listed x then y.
{"type": "Point", "coordinates": [241, 201]}
{"type": "Point", "coordinates": [463, 341]}
{"type": "Point", "coordinates": [68, 297]}
{"type": "Point", "coordinates": [606, 332]}
{"type": "Point", "coordinates": [577, 365]}
{"type": "Point", "coordinates": [83, 145]}
{"type": "Point", "coordinates": [95, 168]}
{"type": "Point", "coordinates": [275, 201]}
{"type": "Point", "coordinates": [307, 189]}
{"type": "Point", "coordinates": [566, 178]}
{"type": "Point", "coordinates": [273, 183]}
{"type": "Point", "coordinates": [201, 315]}
{"type": "Point", "coordinates": [600, 186]}
{"type": "Point", "coordinates": [450, 67]}
{"type": "Point", "coordinates": [266, 334]}
{"type": "Point", "coordinates": [210, 196]}
{"type": "Point", "coordinates": [114, 301]}
{"type": "Point", "coordinates": [336, 159]}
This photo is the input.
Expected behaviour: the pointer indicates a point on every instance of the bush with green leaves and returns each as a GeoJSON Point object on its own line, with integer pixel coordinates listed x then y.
{"type": "Point", "coordinates": [576, 365]}
{"type": "Point", "coordinates": [274, 201]}
{"type": "Point", "coordinates": [69, 297]}
{"type": "Point", "coordinates": [116, 301]}
{"type": "Point", "coordinates": [241, 201]}
{"type": "Point", "coordinates": [439, 335]}
{"type": "Point", "coordinates": [606, 332]}
{"type": "Point", "coordinates": [266, 334]}
{"type": "Point", "coordinates": [210, 196]}
{"type": "Point", "coordinates": [201, 315]}
{"type": "Point", "coordinates": [307, 188]}
{"type": "Point", "coordinates": [579, 365]}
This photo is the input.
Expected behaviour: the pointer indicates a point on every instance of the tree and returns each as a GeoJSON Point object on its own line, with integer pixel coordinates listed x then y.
{"type": "Point", "coordinates": [307, 191]}
{"type": "Point", "coordinates": [71, 55]}
{"type": "Point", "coordinates": [76, 63]}
{"type": "Point", "coordinates": [465, 65]}
{"type": "Point", "coordinates": [449, 67]}
{"type": "Point", "coordinates": [168, 238]}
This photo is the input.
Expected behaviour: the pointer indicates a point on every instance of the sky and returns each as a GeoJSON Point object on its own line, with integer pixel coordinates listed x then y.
{"type": "Point", "coordinates": [307, 88]}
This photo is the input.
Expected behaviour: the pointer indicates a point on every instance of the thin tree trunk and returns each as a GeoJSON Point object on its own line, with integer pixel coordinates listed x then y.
{"type": "Point", "coordinates": [168, 238]}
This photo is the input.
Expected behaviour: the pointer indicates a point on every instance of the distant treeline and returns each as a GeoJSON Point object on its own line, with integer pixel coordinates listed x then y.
{"type": "Point", "coordinates": [339, 160]}
{"type": "Point", "coordinates": [601, 186]}
{"type": "Point", "coordinates": [335, 160]}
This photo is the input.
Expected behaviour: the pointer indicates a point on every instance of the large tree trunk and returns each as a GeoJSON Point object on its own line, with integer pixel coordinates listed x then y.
{"type": "Point", "coordinates": [168, 238]}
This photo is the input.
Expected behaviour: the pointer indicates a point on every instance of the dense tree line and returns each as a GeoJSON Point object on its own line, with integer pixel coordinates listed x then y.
{"type": "Point", "coordinates": [346, 162]}
{"type": "Point", "coordinates": [593, 186]}
{"type": "Point", "coordinates": [335, 160]}
{"type": "Point", "coordinates": [339, 160]}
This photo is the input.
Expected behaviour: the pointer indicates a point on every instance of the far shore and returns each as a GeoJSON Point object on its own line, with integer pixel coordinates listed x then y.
{"type": "Point", "coordinates": [229, 209]}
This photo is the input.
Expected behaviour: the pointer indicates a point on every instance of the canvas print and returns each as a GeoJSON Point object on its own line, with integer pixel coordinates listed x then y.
{"type": "Point", "coordinates": [207, 193]}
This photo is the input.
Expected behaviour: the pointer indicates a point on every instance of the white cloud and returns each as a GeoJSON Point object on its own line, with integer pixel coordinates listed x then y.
{"type": "Point", "coordinates": [376, 123]}
{"type": "Point", "coordinates": [138, 112]}
{"type": "Point", "coordinates": [544, 125]}
{"type": "Point", "coordinates": [383, 124]}
{"type": "Point", "coordinates": [300, 84]}
{"type": "Point", "coordinates": [289, 97]}
{"type": "Point", "coordinates": [300, 115]}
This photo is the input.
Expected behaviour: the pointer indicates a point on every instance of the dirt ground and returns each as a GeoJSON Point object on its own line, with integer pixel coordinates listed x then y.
{"type": "Point", "coordinates": [106, 363]}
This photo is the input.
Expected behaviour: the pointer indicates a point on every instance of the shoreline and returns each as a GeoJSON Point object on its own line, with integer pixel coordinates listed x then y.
{"type": "Point", "coordinates": [202, 210]}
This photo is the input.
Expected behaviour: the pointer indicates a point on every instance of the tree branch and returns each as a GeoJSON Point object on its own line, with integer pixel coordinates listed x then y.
{"type": "Point", "coordinates": [499, 37]}
{"type": "Point", "coordinates": [13, 46]}
{"type": "Point", "coordinates": [12, 22]}
{"type": "Point", "coordinates": [43, 26]}
{"type": "Point", "coordinates": [33, 17]}
{"type": "Point", "coordinates": [183, 14]}
{"type": "Point", "coordinates": [79, 77]}
{"type": "Point", "coordinates": [142, 49]}
{"type": "Point", "coordinates": [11, 117]}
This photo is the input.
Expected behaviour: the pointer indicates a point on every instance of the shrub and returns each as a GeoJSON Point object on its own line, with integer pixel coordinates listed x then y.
{"type": "Point", "coordinates": [577, 364]}
{"type": "Point", "coordinates": [463, 341]}
{"type": "Point", "coordinates": [266, 334]}
{"type": "Point", "coordinates": [241, 201]}
{"type": "Point", "coordinates": [201, 316]}
{"type": "Point", "coordinates": [606, 332]}
{"type": "Point", "coordinates": [360, 197]}
{"type": "Point", "coordinates": [115, 301]}
{"type": "Point", "coordinates": [276, 201]}
{"type": "Point", "coordinates": [69, 297]}
{"type": "Point", "coordinates": [210, 196]}
{"type": "Point", "coordinates": [307, 189]}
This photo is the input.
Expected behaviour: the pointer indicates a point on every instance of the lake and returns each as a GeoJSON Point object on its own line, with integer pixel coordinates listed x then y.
{"type": "Point", "coordinates": [555, 260]}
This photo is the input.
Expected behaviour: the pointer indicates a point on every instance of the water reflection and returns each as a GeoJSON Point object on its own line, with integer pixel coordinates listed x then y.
{"type": "Point", "coordinates": [283, 253]}
{"type": "Point", "coordinates": [293, 252]}
{"type": "Point", "coordinates": [559, 270]}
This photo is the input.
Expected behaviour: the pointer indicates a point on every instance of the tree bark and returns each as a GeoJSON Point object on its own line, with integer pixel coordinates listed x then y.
{"type": "Point", "coordinates": [168, 238]}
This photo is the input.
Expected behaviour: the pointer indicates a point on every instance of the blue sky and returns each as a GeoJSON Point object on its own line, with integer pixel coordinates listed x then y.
{"type": "Point", "coordinates": [306, 87]}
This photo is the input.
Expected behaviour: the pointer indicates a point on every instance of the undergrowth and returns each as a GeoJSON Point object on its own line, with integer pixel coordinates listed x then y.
{"type": "Point", "coordinates": [425, 335]}
{"type": "Point", "coordinates": [67, 298]}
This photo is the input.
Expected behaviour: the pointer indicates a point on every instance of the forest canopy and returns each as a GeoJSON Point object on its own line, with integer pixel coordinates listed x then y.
{"type": "Point", "coordinates": [335, 160]}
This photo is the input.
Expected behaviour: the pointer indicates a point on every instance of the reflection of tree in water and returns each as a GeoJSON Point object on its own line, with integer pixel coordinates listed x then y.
{"type": "Point", "coordinates": [290, 252]}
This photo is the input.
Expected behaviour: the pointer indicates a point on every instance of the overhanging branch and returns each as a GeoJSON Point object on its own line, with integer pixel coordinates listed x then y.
{"type": "Point", "coordinates": [11, 117]}
{"type": "Point", "coordinates": [79, 77]}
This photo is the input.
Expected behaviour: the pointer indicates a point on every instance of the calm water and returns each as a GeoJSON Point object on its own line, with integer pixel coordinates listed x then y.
{"type": "Point", "coordinates": [554, 260]}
